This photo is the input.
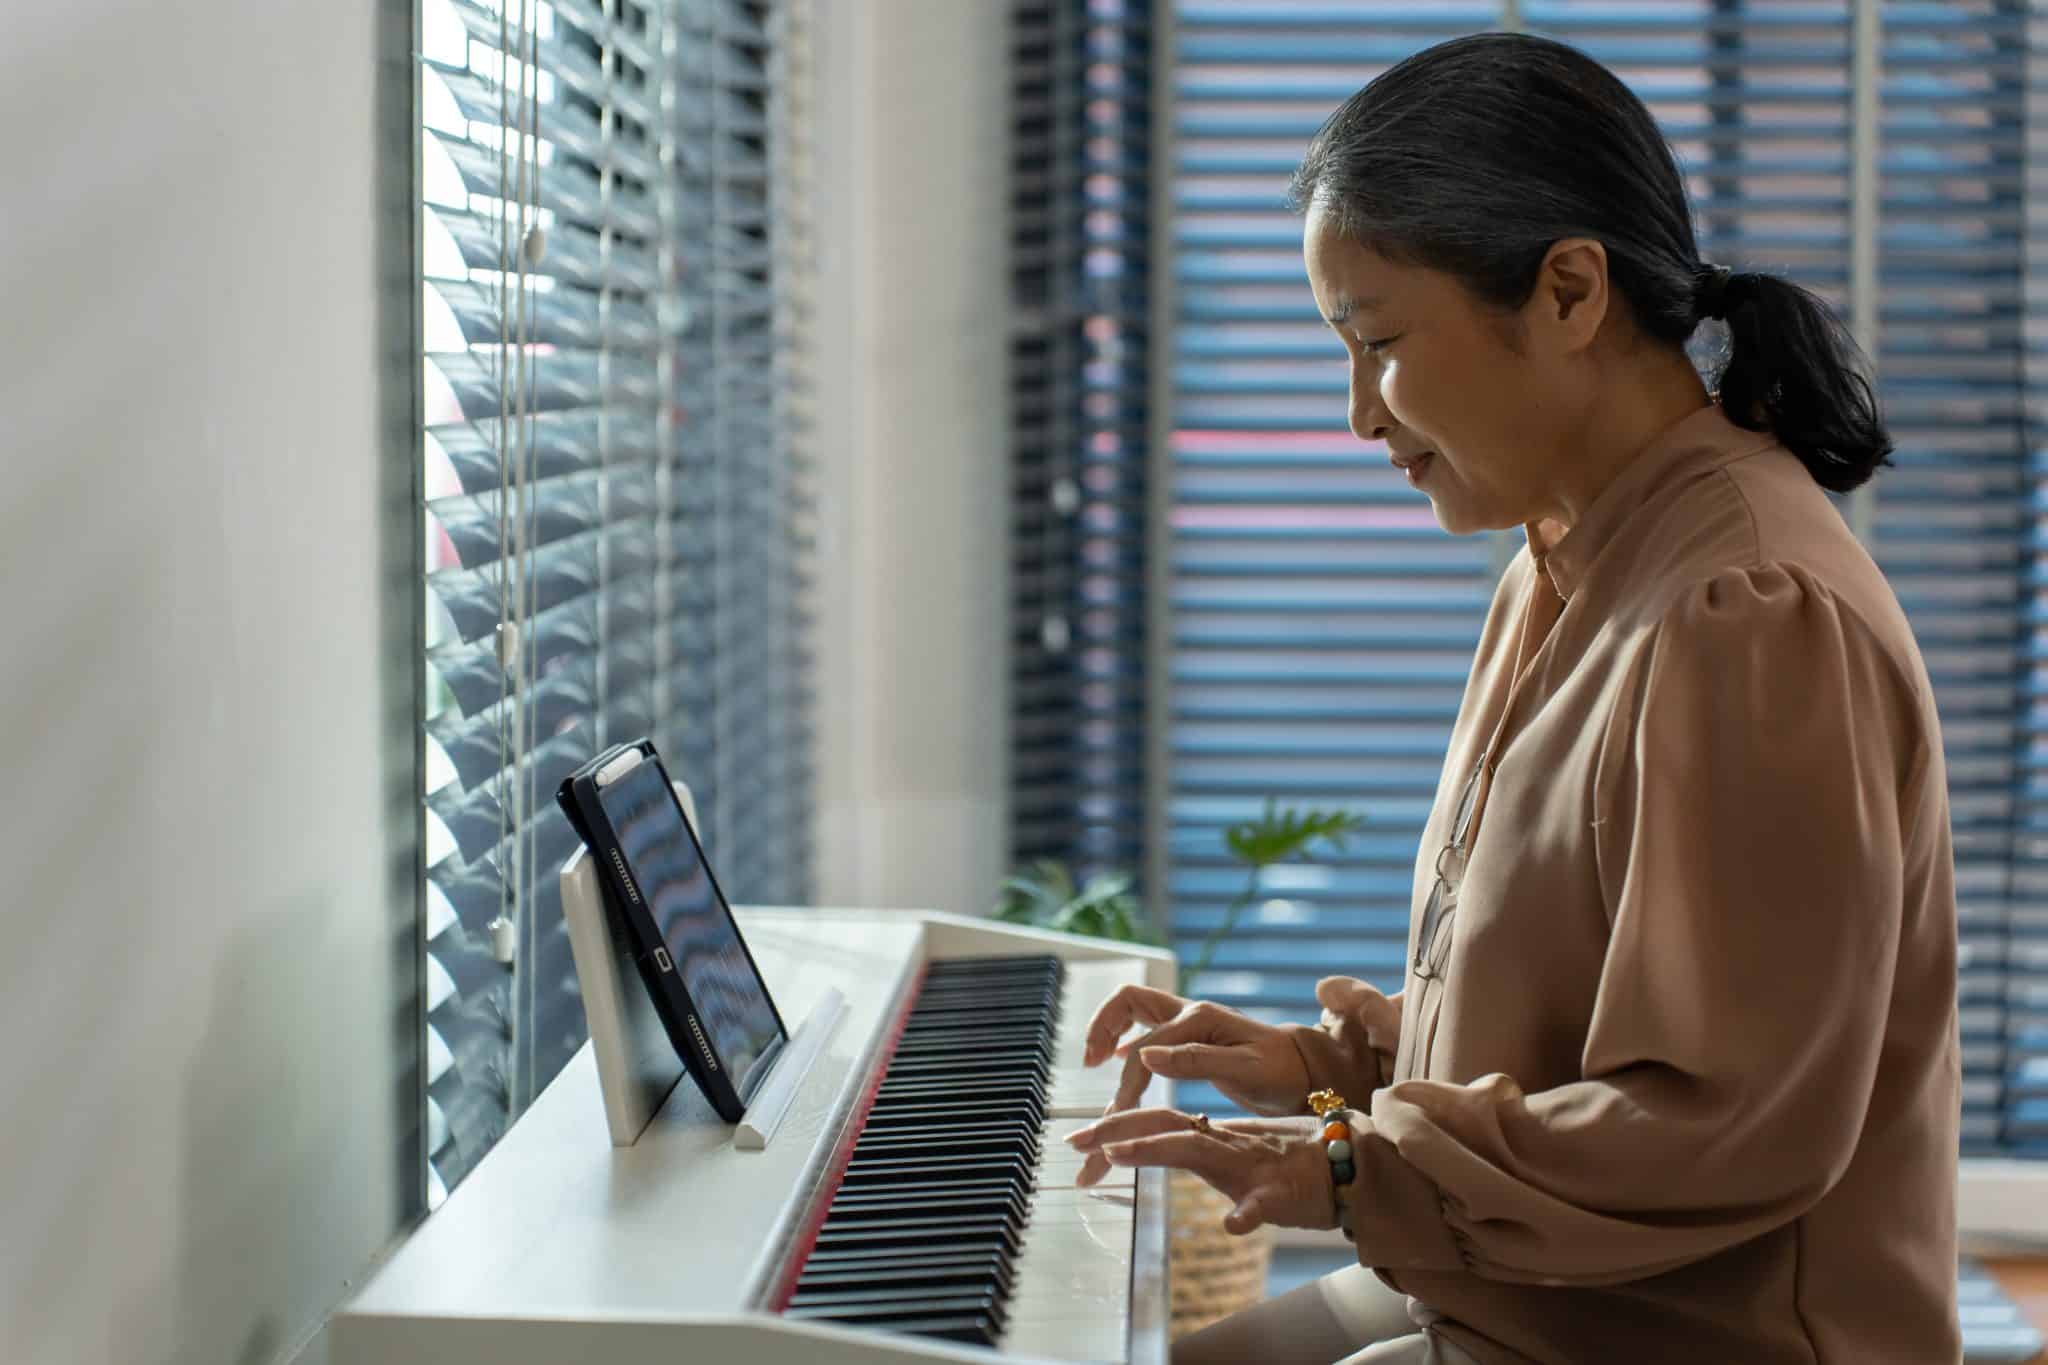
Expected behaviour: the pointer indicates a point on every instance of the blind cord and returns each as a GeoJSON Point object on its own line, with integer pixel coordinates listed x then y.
{"type": "Point", "coordinates": [516, 875]}
{"type": "Point", "coordinates": [530, 460]}
{"type": "Point", "coordinates": [504, 937]}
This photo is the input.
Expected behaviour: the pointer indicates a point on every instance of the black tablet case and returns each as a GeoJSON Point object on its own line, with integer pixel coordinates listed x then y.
{"type": "Point", "coordinates": [686, 1032]}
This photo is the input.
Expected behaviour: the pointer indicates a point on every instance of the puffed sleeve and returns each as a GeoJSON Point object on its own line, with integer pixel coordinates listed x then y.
{"type": "Point", "coordinates": [1752, 851]}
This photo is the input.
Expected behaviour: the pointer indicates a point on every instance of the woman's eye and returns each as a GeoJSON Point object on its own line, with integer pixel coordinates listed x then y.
{"type": "Point", "coordinates": [1375, 347]}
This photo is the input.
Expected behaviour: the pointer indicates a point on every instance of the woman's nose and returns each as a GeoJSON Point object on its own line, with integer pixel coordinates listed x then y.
{"type": "Point", "coordinates": [1370, 420]}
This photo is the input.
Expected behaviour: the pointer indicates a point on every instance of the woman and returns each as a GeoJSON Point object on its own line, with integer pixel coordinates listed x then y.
{"type": "Point", "coordinates": [1675, 1075]}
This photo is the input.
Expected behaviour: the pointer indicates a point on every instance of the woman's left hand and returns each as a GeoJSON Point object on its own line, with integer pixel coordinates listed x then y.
{"type": "Point", "coordinates": [1272, 1170]}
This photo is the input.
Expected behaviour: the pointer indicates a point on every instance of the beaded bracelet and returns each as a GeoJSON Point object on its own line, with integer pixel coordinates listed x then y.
{"type": "Point", "coordinates": [1336, 1135]}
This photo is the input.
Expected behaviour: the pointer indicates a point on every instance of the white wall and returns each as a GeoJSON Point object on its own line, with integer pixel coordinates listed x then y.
{"type": "Point", "coordinates": [207, 1031]}
{"type": "Point", "coordinates": [913, 351]}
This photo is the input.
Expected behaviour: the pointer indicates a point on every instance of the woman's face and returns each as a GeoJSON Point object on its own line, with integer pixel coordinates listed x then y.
{"type": "Point", "coordinates": [1469, 410]}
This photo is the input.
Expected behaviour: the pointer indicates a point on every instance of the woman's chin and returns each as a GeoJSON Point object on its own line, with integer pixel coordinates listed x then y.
{"type": "Point", "coordinates": [1455, 519]}
{"type": "Point", "coordinates": [1460, 518]}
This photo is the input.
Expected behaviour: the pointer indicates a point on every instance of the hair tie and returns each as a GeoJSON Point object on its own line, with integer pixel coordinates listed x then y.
{"type": "Point", "coordinates": [1710, 290]}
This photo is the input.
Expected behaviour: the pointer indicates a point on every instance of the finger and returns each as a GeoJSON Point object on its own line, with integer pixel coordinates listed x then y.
{"type": "Point", "coordinates": [1194, 1025]}
{"type": "Point", "coordinates": [1189, 1026]}
{"type": "Point", "coordinates": [1296, 1129]}
{"type": "Point", "coordinates": [1343, 995]}
{"type": "Point", "coordinates": [1382, 1016]}
{"type": "Point", "coordinates": [1345, 998]}
{"type": "Point", "coordinates": [1092, 1170]}
{"type": "Point", "coordinates": [1205, 1154]}
{"type": "Point", "coordinates": [1202, 1062]}
{"type": "Point", "coordinates": [1132, 1123]}
{"type": "Point", "coordinates": [1336, 992]}
{"type": "Point", "coordinates": [1130, 1088]}
{"type": "Point", "coordinates": [1127, 1006]}
{"type": "Point", "coordinates": [1249, 1213]}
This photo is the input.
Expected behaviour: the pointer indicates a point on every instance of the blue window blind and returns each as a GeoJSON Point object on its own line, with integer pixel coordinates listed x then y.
{"type": "Point", "coordinates": [1081, 177]}
{"type": "Point", "coordinates": [613, 494]}
{"type": "Point", "coordinates": [1953, 519]}
{"type": "Point", "coordinates": [1321, 626]}
{"type": "Point", "coordinates": [2025, 960]}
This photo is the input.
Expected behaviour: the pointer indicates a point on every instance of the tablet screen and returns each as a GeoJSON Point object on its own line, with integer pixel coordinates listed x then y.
{"type": "Point", "coordinates": [694, 921]}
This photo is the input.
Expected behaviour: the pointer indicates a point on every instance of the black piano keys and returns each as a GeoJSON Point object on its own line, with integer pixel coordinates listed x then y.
{"type": "Point", "coordinates": [924, 1230]}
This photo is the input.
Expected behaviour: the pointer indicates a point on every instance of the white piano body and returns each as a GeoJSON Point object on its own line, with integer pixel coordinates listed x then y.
{"type": "Point", "coordinates": [560, 1247]}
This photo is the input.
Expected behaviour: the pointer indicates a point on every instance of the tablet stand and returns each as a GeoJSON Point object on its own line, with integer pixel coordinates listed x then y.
{"type": "Point", "coordinates": [637, 1066]}
{"type": "Point", "coordinates": [771, 1101]}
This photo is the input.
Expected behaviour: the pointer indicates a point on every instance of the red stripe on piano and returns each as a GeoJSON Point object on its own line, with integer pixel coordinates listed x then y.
{"type": "Point", "coordinates": [807, 1240]}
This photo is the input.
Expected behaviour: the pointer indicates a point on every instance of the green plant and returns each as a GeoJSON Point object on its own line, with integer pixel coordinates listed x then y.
{"type": "Point", "coordinates": [1046, 896]}
{"type": "Point", "coordinates": [1105, 907]}
{"type": "Point", "coordinates": [1275, 836]}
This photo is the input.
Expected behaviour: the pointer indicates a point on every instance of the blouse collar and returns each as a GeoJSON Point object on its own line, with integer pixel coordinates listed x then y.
{"type": "Point", "coordinates": [1697, 443]}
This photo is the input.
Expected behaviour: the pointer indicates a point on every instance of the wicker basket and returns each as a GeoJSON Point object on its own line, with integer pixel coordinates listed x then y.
{"type": "Point", "coordinates": [1212, 1273]}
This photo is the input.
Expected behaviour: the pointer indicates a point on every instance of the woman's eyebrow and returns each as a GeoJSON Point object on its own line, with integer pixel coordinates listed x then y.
{"type": "Point", "coordinates": [1343, 307]}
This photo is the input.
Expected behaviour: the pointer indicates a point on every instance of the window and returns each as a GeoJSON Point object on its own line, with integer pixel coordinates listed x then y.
{"type": "Point", "coordinates": [1081, 267]}
{"type": "Point", "coordinates": [613, 480]}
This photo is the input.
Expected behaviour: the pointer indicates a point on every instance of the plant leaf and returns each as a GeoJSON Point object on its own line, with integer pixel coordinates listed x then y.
{"type": "Point", "coordinates": [1058, 881]}
{"type": "Point", "coordinates": [1035, 894]}
{"type": "Point", "coordinates": [1106, 886]}
{"type": "Point", "coordinates": [1278, 835]}
{"type": "Point", "coordinates": [1044, 894]}
{"type": "Point", "coordinates": [1080, 917]}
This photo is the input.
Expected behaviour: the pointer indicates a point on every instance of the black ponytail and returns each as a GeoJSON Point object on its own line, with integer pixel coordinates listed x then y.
{"type": "Point", "coordinates": [1793, 370]}
{"type": "Point", "coordinates": [1474, 156]}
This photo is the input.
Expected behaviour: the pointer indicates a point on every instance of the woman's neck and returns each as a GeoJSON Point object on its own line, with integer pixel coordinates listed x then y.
{"type": "Point", "coordinates": [1649, 392]}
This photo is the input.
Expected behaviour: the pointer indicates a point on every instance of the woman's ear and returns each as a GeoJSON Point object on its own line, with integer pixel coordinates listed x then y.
{"type": "Point", "coordinates": [1571, 295]}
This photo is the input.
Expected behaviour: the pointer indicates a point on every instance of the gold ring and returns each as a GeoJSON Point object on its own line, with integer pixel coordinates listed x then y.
{"type": "Point", "coordinates": [1201, 1123]}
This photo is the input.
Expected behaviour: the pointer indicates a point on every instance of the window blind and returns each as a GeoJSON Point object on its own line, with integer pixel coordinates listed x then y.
{"type": "Point", "coordinates": [1321, 625]}
{"type": "Point", "coordinates": [1080, 341]}
{"type": "Point", "coordinates": [612, 496]}
{"type": "Point", "coordinates": [2025, 964]}
{"type": "Point", "coordinates": [1952, 520]}
{"type": "Point", "coordinates": [743, 156]}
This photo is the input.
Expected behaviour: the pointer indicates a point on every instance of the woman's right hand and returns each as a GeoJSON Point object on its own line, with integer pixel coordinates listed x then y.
{"type": "Point", "coordinates": [1255, 1065]}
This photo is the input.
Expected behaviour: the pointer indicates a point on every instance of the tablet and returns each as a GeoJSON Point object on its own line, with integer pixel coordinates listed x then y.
{"type": "Point", "coordinates": [705, 986]}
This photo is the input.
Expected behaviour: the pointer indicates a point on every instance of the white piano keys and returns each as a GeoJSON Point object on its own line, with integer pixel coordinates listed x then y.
{"type": "Point", "coordinates": [1072, 1297]}
{"type": "Point", "coordinates": [1059, 1165]}
{"type": "Point", "coordinates": [1088, 984]}
{"type": "Point", "coordinates": [1078, 1091]}
{"type": "Point", "coordinates": [1071, 1300]}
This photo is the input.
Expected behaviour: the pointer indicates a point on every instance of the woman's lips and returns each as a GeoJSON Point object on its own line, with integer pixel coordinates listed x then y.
{"type": "Point", "coordinates": [1417, 467]}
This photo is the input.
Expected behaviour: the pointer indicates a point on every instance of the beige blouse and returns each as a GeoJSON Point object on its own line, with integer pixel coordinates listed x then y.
{"type": "Point", "coordinates": [1684, 1087]}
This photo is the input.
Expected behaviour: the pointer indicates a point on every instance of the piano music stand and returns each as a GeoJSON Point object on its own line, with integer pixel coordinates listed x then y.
{"type": "Point", "coordinates": [637, 1066]}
